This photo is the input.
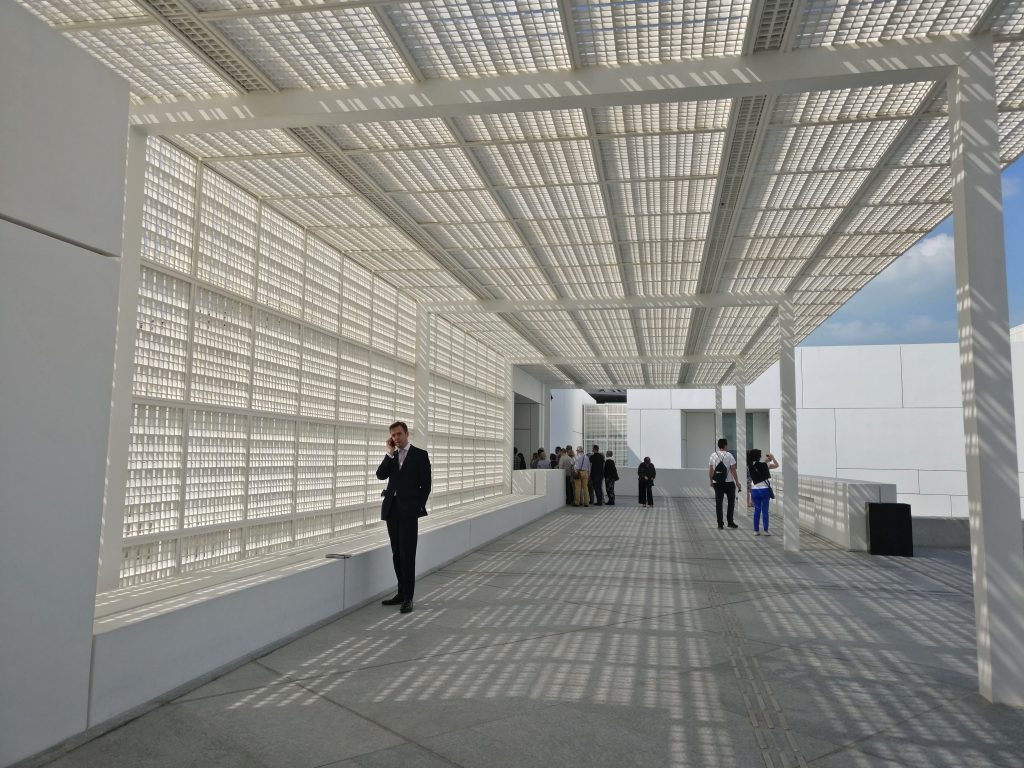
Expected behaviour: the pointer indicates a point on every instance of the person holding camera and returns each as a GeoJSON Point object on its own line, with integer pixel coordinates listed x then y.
{"type": "Point", "coordinates": [761, 492]}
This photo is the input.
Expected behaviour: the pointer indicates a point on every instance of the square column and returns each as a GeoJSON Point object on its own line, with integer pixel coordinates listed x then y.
{"type": "Point", "coordinates": [118, 440]}
{"type": "Point", "coordinates": [790, 502]}
{"type": "Point", "coordinates": [986, 379]}
{"type": "Point", "coordinates": [718, 413]}
{"type": "Point", "coordinates": [741, 428]}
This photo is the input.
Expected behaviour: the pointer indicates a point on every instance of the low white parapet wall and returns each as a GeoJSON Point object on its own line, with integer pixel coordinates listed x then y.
{"type": "Point", "coordinates": [676, 483]}
{"type": "Point", "coordinates": [834, 508]}
{"type": "Point", "coordinates": [152, 643]}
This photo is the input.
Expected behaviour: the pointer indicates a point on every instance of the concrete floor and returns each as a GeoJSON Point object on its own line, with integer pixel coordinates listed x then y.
{"type": "Point", "coordinates": [614, 636]}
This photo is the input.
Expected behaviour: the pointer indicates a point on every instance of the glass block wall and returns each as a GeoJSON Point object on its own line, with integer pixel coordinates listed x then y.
{"type": "Point", "coordinates": [605, 425]}
{"type": "Point", "coordinates": [267, 368]}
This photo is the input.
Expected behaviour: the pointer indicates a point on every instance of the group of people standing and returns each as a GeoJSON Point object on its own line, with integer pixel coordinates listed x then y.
{"type": "Point", "coordinates": [589, 477]}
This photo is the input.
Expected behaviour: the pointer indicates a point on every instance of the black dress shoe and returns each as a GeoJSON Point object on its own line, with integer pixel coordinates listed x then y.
{"type": "Point", "coordinates": [406, 607]}
{"type": "Point", "coordinates": [720, 526]}
{"type": "Point", "coordinates": [733, 525]}
{"type": "Point", "coordinates": [396, 600]}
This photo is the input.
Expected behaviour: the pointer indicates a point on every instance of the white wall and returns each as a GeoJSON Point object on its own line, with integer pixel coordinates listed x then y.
{"type": "Point", "coordinates": [63, 135]}
{"type": "Point", "coordinates": [701, 438]}
{"type": "Point", "coordinates": [532, 420]}
{"type": "Point", "coordinates": [566, 415]}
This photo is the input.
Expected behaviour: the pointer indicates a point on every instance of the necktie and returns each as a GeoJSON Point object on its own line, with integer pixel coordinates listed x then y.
{"type": "Point", "coordinates": [401, 458]}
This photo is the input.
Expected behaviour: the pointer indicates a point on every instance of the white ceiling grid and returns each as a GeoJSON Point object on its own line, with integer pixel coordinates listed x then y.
{"type": "Point", "coordinates": [573, 206]}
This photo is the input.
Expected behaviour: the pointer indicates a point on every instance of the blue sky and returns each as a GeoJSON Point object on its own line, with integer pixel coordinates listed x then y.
{"type": "Point", "coordinates": [913, 300]}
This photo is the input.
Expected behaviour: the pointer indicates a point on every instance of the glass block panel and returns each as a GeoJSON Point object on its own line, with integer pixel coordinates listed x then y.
{"type": "Point", "coordinates": [280, 271]}
{"type": "Point", "coordinates": [272, 468]}
{"type": "Point", "coordinates": [353, 384]}
{"type": "Point", "coordinates": [221, 350]}
{"type": "Point", "coordinates": [312, 529]}
{"type": "Point", "coordinates": [350, 476]}
{"type": "Point", "coordinates": [155, 465]}
{"type": "Point", "coordinates": [385, 316]}
{"type": "Point", "coordinates": [382, 390]}
{"type": "Point", "coordinates": [161, 342]}
{"type": "Point", "coordinates": [143, 563]}
{"type": "Point", "coordinates": [168, 208]}
{"type": "Point", "coordinates": [271, 537]}
{"type": "Point", "coordinates": [228, 226]}
{"type": "Point", "coordinates": [275, 384]}
{"type": "Point", "coordinates": [215, 484]}
{"type": "Point", "coordinates": [318, 390]}
{"type": "Point", "coordinates": [356, 302]}
{"type": "Point", "coordinates": [322, 302]}
{"type": "Point", "coordinates": [316, 468]}
{"type": "Point", "coordinates": [405, 394]}
{"type": "Point", "coordinates": [210, 549]}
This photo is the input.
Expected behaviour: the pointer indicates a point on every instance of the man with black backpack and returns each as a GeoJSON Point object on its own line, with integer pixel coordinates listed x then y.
{"type": "Point", "coordinates": [721, 465]}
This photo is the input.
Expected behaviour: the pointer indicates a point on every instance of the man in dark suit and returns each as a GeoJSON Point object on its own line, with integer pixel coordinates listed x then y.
{"type": "Point", "coordinates": [407, 470]}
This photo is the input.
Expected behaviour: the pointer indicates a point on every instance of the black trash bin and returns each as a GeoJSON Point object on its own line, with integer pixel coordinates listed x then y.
{"type": "Point", "coordinates": [890, 531]}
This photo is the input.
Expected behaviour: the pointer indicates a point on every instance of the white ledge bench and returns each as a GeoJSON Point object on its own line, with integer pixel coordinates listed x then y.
{"type": "Point", "coordinates": [151, 642]}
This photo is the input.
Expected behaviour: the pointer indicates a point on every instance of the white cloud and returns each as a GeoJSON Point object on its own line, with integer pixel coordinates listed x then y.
{"type": "Point", "coordinates": [1011, 187]}
{"type": "Point", "coordinates": [910, 302]}
{"type": "Point", "coordinates": [927, 265]}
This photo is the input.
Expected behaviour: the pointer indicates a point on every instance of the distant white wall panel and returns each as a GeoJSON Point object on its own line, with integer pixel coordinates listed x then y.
{"type": "Point", "coordinates": [931, 376]}
{"type": "Point", "coordinates": [763, 392]}
{"type": "Point", "coordinates": [687, 399]}
{"type": "Point", "coordinates": [645, 399]}
{"type": "Point", "coordinates": [566, 416]}
{"type": "Point", "coordinates": [948, 482]}
{"type": "Point", "coordinates": [662, 438]}
{"type": "Point", "coordinates": [894, 438]}
{"type": "Point", "coordinates": [818, 441]}
{"type": "Point", "coordinates": [850, 377]}
{"type": "Point", "coordinates": [58, 307]}
{"type": "Point", "coordinates": [700, 439]}
{"type": "Point", "coordinates": [63, 135]}
{"type": "Point", "coordinates": [925, 505]}
{"type": "Point", "coordinates": [905, 480]}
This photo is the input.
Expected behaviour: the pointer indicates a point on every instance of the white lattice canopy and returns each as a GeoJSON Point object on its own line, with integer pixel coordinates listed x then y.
{"type": "Point", "coordinates": [615, 194]}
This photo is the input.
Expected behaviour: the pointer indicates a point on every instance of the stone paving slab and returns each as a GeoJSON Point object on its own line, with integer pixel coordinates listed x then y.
{"type": "Point", "coordinates": [614, 636]}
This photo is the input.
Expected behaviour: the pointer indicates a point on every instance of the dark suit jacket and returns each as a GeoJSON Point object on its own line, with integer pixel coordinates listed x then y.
{"type": "Point", "coordinates": [597, 466]}
{"type": "Point", "coordinates": [408, 487]}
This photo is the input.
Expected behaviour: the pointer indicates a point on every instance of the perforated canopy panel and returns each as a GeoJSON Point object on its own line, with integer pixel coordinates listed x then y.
{"type": "Point", "coordinates": [593, 188]}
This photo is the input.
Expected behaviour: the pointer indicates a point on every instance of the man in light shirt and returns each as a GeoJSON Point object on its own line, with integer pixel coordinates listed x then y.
{"type": "Point", "coordinates": [581, 478]}
{"type": "Point", "coordinates": [721, 465]}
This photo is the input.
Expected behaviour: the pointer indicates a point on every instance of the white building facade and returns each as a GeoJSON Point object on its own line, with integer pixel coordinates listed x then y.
{"type": "Point", "coordinates": [887, 413]}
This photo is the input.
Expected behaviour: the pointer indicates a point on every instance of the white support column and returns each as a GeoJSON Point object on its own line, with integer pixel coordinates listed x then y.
{"type": "Point", "coordinates": [109, 569]}
{"type": "Point", "coordinates": [421, 406]}
{"type": "Point", "coordinates": [790, 501]}
{"type": "Point", "coordinates": [718, 413]}
{"type": "Point", "coordinates": [508, 428]}
{"type": "Point", "coordinates": [741, 428]}
{"type": "Point", "coordinates": [986, 380]}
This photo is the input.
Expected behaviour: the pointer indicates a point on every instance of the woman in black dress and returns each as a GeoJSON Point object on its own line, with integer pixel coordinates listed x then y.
{"type": "Point", "coordinates": [645, 481]}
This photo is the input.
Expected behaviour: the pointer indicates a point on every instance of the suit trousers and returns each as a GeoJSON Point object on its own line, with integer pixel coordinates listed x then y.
{"type": "Point", "coordinates": [403, 533]}
{"type": "Point", "coordinates": [597, 488]}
